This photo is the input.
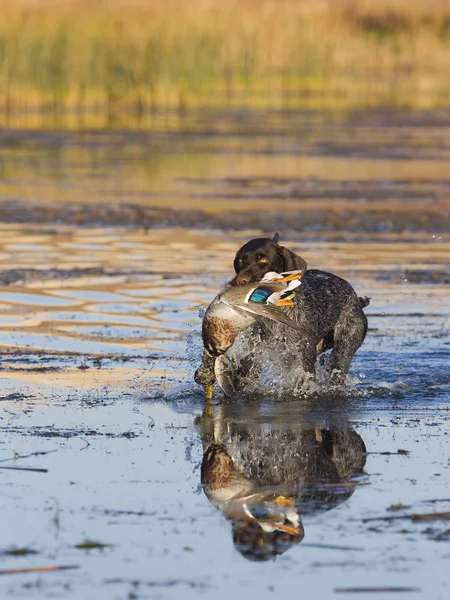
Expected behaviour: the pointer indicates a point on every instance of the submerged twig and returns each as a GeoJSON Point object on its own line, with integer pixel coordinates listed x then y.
{"type": "Point", "coordinates": [17, 456]}
{"type": "Point", "coordinates": [32, 469]}
{"type": "Point", "coordinates": [399, 452]}
{"type": "Point", "coordinates": [333, 547]}
{"type": "Point", "coordinates": [91, 545]}
{"type": "Point", "coordinates": [362, 590]}
{"type": "Point", "coordinates": [37, 569]}
{"type": "Point", "coordinates": [86, 442]}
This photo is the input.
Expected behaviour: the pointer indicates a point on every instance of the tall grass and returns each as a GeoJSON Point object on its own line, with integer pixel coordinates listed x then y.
{"type": "Point", "coordinates": [114, 54]}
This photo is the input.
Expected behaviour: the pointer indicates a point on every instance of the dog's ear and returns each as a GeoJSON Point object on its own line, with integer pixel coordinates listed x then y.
{"type": "Point", "coordinates": [291, 262]}
{"type": "Point", "coordinates": [276, 238]}
{"type": "Point", "coordinates": [235, 262]}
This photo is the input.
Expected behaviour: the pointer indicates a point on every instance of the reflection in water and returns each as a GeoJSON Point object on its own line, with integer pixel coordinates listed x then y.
{"type": "Point", "coordinates": [264, 475]}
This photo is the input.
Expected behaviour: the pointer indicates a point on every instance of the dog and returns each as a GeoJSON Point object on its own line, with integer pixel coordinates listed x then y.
{"type": "Point", "coordinates": [327, 308]}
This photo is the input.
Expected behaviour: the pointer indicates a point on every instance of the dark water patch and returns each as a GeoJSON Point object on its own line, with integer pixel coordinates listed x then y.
{"type": "Point", "coordinates": [34, 369]}
{"type": "Point", "coordinates": [15, 397]}
{"type": "Point", "coordinates": [435, 276]}
{"type": "Point", "coordinates": [267, 188]}
{"type": "Point", "coordinates": [14, 276]}
{"type": "Point", "coordinates": [437, 535]}
{"type": "Point", "coordinates": [167, 583]}
{"type": "Point", "coordinates": [119, 513]}
{"type": "Point", "coordinates": [370, 221]}
{"type": "Point", "coordinates": [51, 432]}
{"type": "Point", "coordinates": [426, 275]}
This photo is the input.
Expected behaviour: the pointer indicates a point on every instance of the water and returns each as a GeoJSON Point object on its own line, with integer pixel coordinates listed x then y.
{"type": "Point", "coordinates": [100, 336]}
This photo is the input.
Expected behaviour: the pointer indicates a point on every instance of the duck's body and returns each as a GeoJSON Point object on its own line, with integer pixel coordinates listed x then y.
{"type": "Point", "coordinates": [237, 307]}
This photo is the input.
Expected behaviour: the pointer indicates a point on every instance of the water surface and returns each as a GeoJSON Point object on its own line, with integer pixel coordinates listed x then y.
{"type": "Point", "coordinates": [111, 246]}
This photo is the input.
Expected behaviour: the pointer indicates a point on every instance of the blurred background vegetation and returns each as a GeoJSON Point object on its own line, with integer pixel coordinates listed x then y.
{"type": "Point", "coordinates": [107, 57]}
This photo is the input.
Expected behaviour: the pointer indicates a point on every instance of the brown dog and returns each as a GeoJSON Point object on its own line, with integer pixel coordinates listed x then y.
{"type": "Point", "coordinates": [327, 309]}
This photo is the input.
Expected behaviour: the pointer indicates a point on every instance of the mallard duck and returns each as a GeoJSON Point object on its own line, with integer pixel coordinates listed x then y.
{"type": "Point", "coordinates": [237, 307]}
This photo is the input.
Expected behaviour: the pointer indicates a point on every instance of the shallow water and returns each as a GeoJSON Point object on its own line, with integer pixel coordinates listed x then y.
{"type": "Point", "coordinates": [100, 336]}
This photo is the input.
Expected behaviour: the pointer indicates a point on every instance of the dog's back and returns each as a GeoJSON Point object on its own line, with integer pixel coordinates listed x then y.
{"type": "Point", "coordinates": [322, 300]}
{"type": "Point", "coordinates": [331, 317]}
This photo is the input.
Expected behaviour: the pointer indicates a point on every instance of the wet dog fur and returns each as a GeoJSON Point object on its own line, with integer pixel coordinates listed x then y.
{"type": "Point", "coordinates": [327, 308]}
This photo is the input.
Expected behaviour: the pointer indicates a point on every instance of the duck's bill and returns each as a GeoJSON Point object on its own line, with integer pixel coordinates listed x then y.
{"type": "Point", "coordinates": [284, 501]}
{"type": "Point", "coordinates": [270, 526]}
{"type": "Point", "coordinates": [285, 302]}
{"type": "Point", "coordinates": [288, 529]}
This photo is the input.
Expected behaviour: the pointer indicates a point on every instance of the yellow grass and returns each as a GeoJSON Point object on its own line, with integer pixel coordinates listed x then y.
{"type": "Point", "coordinates": [117, 55]}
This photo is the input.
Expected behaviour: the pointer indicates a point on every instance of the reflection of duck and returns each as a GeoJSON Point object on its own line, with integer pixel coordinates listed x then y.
{"type": "Point", "coordinates": [263, 477]}
{"type": "Point", "coordinates": [240, 499]}
{"type": "Point", "coordinates": [237, 307]}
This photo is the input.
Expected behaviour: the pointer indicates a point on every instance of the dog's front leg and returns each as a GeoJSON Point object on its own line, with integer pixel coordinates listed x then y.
{"type": "Point", "coordinates": [304, 365]}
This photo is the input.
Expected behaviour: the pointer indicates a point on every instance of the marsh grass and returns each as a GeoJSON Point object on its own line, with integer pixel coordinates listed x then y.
{"type": "Point", "coordinates": [137, 55]}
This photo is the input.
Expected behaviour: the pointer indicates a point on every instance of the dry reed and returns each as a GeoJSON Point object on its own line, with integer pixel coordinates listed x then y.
{"type": "Point", "coordinates": [111, 55]}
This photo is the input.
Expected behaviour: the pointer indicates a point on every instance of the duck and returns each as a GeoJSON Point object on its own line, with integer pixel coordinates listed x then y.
{"type": "Point", "coordinates": [233, 310]}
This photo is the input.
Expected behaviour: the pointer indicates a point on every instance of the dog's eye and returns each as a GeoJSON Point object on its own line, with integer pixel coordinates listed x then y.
{"type": "Point", "coordinates": [263, 261]}
{"type": "Point", "coordinates": [240, 261]}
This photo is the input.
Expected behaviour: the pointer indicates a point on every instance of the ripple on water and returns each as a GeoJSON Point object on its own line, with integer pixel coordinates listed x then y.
{"type": "Point", "coordinates": [115, 308]}
{"type": "Point", "coordinates": [111, 331]}
{"type": "Point", "coordinates": [93, 295]}
{"type": "Point", "coordinates": [11, 319]}
{"type": "Point", "coordinates": [55, 343]}
{"type": "Point", "coordinates": [167, 305]}
{"type": "Point", "coordinates": [35, 299]}
{"type": "Point", "coordinates": [91, 317]}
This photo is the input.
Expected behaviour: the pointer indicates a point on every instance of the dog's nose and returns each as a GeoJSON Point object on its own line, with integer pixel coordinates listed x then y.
{"type": "Point", "coordinates": [241, 279]}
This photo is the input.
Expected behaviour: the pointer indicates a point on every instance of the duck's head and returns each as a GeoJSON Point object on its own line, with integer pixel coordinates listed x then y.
{"type": "Point", "coordinates": [218, 334]}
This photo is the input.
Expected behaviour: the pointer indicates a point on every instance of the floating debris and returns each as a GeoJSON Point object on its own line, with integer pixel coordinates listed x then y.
{"type": "Point", "coordinates": [31, 469]}
{"type": "Point", "coordinates": [38, 569]}
{"type": "Point", "coordinates": [379, 590]}
{"type": "Point", "coordinates": [18, 552]}
{"type": "Point", "coordinates": [394, 507]}
{"type": "Point", "coordinates": [91, 545]}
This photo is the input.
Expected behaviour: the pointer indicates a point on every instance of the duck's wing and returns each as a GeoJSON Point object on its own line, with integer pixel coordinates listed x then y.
{"type": "Point", "coordinates": [241, 294]}
{"type": "Point", "coordinates": [269, 311]}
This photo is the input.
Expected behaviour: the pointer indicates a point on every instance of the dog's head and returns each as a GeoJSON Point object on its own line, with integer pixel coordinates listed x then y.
{"type": "Point", "coordinates": [263, 255]}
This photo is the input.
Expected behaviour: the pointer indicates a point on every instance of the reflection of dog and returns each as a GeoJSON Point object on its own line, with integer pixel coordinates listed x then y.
{"type": "Point", "coordinates": [327, 307]}
{"type": "Point", "coordinates": [261, 478]}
